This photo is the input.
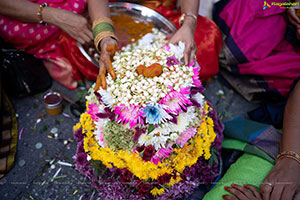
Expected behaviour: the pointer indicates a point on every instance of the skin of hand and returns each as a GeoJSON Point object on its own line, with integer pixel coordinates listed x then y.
{"type": "Point", "coordinates": [294, 19]}
{"type": "Point", "coordinates": [285, 174]}
{"type": "Point", "coordinates": [247, 192]}
{"type": "Point", "coordinates": [73, 24]}
{"type": "Point", "coordinates": [285, 180]}
{"type": "Point", "coordinates": [108, 48]}
{"type": "Point", "coordinates": [186, 35]}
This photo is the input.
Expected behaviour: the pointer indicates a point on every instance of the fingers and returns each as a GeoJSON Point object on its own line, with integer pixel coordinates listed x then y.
{"type": "Point", "coordinates": [293, 18]}
{"type": "Point", "coordinates": [98, 83]}
{"type": "Point", "coordinates": [89, 33]}
{"type": "Point", "coordinates": [246, 192]}
{"type": "Point", "coordinates": [189, 54]}
{"type": "Point", "coordinates": [254, 191]}
{"type": "Point", "coordinates": [236, 192]}
{"type": "Point", "coordinates": [193, 56]}
{"type": "Point", "coordinates": [80, 40]}
{"type": "Point", "coordinates": [228, 197]}
{"type": "Point", "coordinates": [276, 192]}
{"type": "Point", "coordinates": [102, 74]}
{"type": "Point", "coordinates": [266, 189]}
{"type": "Point", "coordinates": [110, 69]}
{"type": "Point", "coordinates": [288, 193]}
{"type": "Point", "coordinates": [85, 37]}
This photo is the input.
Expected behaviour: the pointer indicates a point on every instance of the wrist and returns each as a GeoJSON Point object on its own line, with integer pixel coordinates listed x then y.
{"type": "Point", "coordinates": [49, 15]}
{"type": "Point", "coordinates": [190, 23]}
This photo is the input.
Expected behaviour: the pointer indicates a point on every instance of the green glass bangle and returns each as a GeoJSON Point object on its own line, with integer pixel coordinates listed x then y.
{"type": "Point", "coordinates": [104, 26]}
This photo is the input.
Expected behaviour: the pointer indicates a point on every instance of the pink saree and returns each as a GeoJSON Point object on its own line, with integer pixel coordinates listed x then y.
{"type": "Point", "coordinates": [43, 41]}
{"type": "Point", "coordinates": [255, 48]}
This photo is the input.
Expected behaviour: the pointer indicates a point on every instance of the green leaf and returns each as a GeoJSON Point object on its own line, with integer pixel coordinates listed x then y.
{"type": "Point", "coordinates": [150, 128]}
{"type": "Point", "coordinates": [96, 172]}
{"type": "Point", "coordinates": [57, 122]}
{"type": "Point", "coordinates": [214, 158]}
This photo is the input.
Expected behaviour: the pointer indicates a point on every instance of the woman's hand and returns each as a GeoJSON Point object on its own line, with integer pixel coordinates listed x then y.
{"type": "Point", "coordinates": [186, 35]}
{"type": "Point", "coordinates": [108, 48]}
{"type": "Point", "coordinates": [247, 192]}
{"type": "Point", "coordinates": [294, 19]}
{"type": "Point", "coordinates": [73, 24]}
{"type": "Point", "coordinates": [283, 180]}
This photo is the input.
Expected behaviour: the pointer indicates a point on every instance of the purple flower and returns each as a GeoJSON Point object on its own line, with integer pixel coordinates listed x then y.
{"type": "Point", "coordinates": [81, 159]}
{"type": "Point", "coordinates": [78, 135]}
{"type": "Point", "coordinates": [172, 60]}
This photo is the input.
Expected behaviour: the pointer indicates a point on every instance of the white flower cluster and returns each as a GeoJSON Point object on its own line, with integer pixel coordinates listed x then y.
{"type": "Point", "coordinates": [166, 134]}
{"type": "Point", "coordinates": [131, 88]}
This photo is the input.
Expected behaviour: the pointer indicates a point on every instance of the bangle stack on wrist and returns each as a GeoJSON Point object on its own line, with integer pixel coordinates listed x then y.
{"type": "Point", "coordinates": [39, 13]}
{"type": "Point", "coordinates": [102, 27]}
{"type": "Point", "coordinates": [288, 154]}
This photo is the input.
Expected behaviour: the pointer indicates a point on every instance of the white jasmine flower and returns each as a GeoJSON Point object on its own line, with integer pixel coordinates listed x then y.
{"type": "Point", "coordinates": [106, 97]}
{"type": "Point", "coordinates": [178, 50]}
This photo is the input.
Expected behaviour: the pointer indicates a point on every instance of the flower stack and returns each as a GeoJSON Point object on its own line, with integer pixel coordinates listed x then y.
{"type": "Point", "coordinates": [150, 134]}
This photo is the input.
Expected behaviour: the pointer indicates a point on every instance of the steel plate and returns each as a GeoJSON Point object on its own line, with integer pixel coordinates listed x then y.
{"type": "Point", "coordinates": [138, 13]}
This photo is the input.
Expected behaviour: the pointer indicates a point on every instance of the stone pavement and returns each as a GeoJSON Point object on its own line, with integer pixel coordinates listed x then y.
{"type": "Point", "coordinates": [43, 146]}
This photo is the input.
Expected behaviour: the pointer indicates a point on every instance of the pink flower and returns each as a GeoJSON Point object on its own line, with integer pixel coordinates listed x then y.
{"type": "Point", "coordinates": [99, 136]}
{"type": "Point", "coordinates": [166, 47]}
{"type": "Point", "coordinates": [92, 110]}
{"type": "Point", "coordinates": [186, 135]}
{"type": "Point", "coordinates": [175, 101]}
{"type": "Point", "coordinates": [133, 115]}
{"type": "Point", "coordinates": [196, 77]}
{"type": "Point", "coordinates": [162, 153]}
{"type": "Point", "coordinates": [192, 64]}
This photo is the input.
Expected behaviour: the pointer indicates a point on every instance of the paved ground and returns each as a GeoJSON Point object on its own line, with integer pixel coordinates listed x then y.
{"type": "Point", "coordinates": [39, 151]}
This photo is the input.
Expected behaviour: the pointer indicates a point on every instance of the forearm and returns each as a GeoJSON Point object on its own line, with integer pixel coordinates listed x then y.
{"type": "Point", "coordinates": [22, 10]}
{"type": "Point", "coordinates": [98, 8]}
{"type": "Point", "coordinates": [291, 122]}
{"type": "Point", "coordinates": [26, 11]}
{"type": "Point", "coordinates": [190, 6]}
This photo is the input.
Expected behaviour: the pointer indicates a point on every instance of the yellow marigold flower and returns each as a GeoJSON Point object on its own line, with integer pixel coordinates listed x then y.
{"type": "Point", "coordinates": [156, 192]}
{"type": "Point", "coordinates": [77, 126]}
{"type": "Point", "coordinates": [182, 157]}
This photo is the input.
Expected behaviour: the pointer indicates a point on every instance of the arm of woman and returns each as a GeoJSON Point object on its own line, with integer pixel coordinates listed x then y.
{"type": "Point", "coordinates": [73, 24]}
{"type": "Point", "coordinates": [284, 176]}
{"type": "Point", "coordinates": [108, 45]}
{"type": "Point", "coordinates": [187, 30]}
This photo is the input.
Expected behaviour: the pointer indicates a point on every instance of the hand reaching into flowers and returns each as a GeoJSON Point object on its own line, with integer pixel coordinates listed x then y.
{"type": "Point", "coordinates": [108, 48]}
{"type": "Point", "coordinates": [187, 31]}
{"type": "Point", "coordinates": [186, 35]}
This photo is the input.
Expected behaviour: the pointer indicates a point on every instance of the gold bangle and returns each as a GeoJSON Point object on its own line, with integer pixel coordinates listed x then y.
{"type": "Point", "coordinates": [100, 20]}
{"type": "Point", "coordinates": [182, 17]}
{"type": "Point", "coordinates": [102, 35]}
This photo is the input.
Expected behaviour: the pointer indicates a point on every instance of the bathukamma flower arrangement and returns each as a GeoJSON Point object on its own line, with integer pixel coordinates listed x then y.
{"type": "Point", "coordinates": [150, 134]}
